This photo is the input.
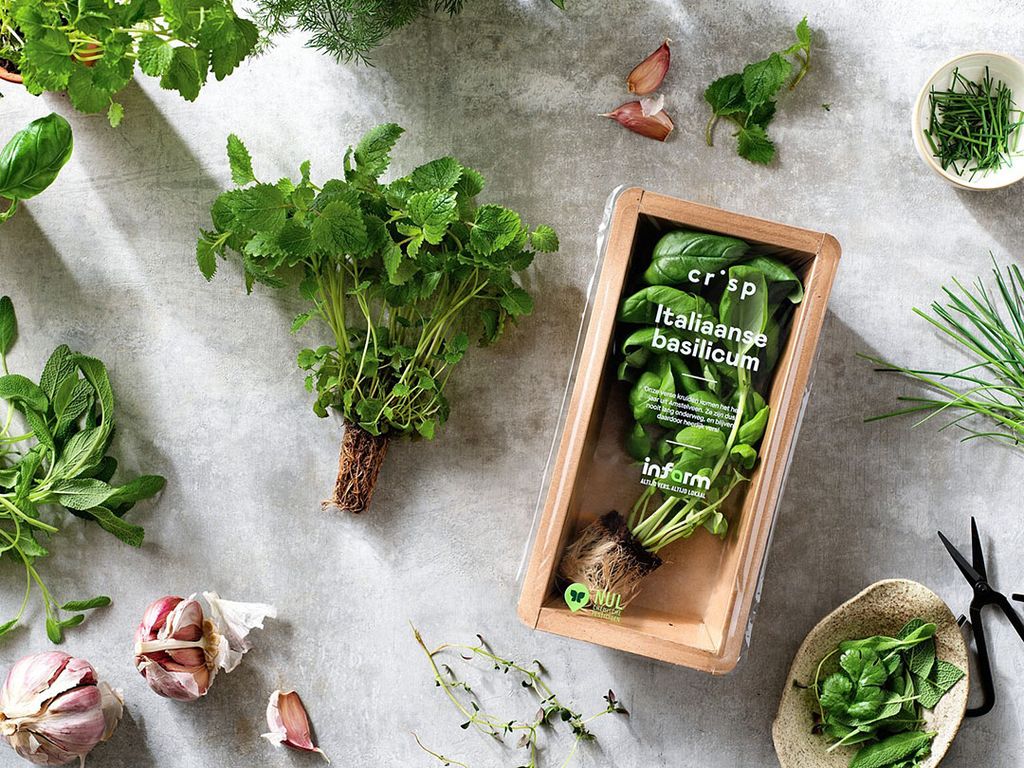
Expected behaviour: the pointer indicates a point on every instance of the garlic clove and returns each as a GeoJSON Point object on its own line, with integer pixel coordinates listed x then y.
{"type": "Point", "coordinates": [648, 74]}
{"type": "Point", "coordinates": [234, 621]}
{"type": "Point", "coordinates": [112, 704]}
{"type": "Point", "coordinates": [289, 724]}
{"type": "Point", "coordinates": [652, 105]}
{"type": "Point", "coordinates": [631, 115]}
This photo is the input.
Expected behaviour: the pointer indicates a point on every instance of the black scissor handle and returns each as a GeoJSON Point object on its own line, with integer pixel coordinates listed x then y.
{"type": "Point", "coordinates": [984, 667]}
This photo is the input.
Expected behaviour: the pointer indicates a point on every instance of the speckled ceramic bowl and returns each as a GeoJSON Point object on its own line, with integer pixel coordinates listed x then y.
{"type": "Point", "coordinates": [881, 609]}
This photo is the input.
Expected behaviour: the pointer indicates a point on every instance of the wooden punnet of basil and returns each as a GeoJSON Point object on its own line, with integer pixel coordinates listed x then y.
{"type": "Point", "coordinates": [715, 445]}
{"type": "Point", "coordinates": [31, 160]}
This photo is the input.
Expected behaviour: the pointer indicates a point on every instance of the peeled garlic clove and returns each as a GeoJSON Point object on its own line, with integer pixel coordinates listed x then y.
{"type": "Point", "coordinates": [289, 724]}
{"type": "Point", "coordinates": [180, 646]}
{"type": "Point", "coordinates": [648, 74]}
{"type": "Point", "coordinates": [53, 711]}
{"type": "Point", "coordinates": [631, 115]}
{"type": "Point", "coordinates": [652, 105]}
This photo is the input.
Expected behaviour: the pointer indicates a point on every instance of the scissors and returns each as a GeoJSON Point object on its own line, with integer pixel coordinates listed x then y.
{"type": "Point", "coordinates": [984, 595]}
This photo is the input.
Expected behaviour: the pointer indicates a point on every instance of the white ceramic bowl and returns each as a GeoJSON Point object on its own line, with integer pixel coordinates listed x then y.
{"type": "Point", "coordinates": [972, 66]}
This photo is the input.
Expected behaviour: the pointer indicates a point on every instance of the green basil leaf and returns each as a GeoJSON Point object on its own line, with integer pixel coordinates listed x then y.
{"type": "Point", "coordinates": [31, 160]}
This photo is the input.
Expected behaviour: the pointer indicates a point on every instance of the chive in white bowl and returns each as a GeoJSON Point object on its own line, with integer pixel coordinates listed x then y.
{"type": "Point", "coordinates": [999, 67]}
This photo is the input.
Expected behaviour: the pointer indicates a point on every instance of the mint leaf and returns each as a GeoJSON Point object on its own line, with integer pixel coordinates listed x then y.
{"type": "Point", "coordinates": [241, 42]}
{"type": "Point", "coordinates": [754, 145]}
{"type": "Point", "coordinates": [762, 114]}
{"type": "Point", "coordinates": [803, 38]}
{"type": "Point", "coordinates": [85, 95]}
{"type": "Point", "coordinates": [186, 72]}
{"type": "Point", "coordinates": [763, 79]}
{"type": "Point", "coordinates": [433, 211]}
{"type": "Point", "coordinates": [470, 184]}
{"type": "Point", "coordinates": [517, 302]}
{"type": "Point", "coordinates": [259, 208]}
{"type": "Point", "coordinates": [46, 61]}
{"type": "Point", "coordinates": [115, 114]}
{"type": "Point", "coordinates": [240, 161]}
{"type": "Point", "coordinates": [373, 152]}
{"type": "Point", "coordinates": [494, 227]}
{"type": "Point", "coordinates": [725, 95]}
{"type": "Point", "coordinates": [443, 174]}
{"type": "Point", "coordinates": [544, 239]}
{"type": "Point", "coordinates": [340, 229]}
{"type": "Point", "coordinates": [155, 55]}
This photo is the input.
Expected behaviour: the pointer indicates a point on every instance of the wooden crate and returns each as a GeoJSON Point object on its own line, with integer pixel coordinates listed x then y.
{"type": "Point", "coordinates": [695, 609]}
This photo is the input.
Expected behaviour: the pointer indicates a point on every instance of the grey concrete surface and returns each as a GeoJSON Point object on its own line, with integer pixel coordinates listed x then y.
{"type": "Point", "coordinates": [210, 396]}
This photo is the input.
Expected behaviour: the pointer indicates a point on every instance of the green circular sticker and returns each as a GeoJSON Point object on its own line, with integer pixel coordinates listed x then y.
{"type": "Point", "coordinates": [577, 596]}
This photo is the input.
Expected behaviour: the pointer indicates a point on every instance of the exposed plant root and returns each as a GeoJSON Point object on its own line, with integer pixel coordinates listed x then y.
{"type": "Point", "coordinates": [606, 556]}
{"type": "Point", "coordinates": [359, 463]}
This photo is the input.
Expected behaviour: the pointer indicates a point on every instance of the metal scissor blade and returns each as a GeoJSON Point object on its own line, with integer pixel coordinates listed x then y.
{"type": "Point", "coordinates": [961, 562]}
{"type": "Point", "coordinates": [977, 554]}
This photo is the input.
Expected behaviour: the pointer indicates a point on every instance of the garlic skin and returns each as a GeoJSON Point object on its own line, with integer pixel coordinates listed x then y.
{"type": "Point", "coordinates": [289, 724]}
{"type": "Point", "coordinates": [180, 647]}
{"type": "Point", "coordinates": [648, 74]}
{"type": "Point", "coordinates": [53, 711]}
{"type": "Point", "coordinates": [631, 115]}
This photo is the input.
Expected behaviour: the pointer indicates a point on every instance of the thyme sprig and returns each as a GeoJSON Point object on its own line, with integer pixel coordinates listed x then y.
{"type": "Point", "coordinates": [526, 731]}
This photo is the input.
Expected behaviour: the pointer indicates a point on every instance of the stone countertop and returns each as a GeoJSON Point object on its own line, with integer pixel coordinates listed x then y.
{"type": "Point", "coordinates": [210, 396]}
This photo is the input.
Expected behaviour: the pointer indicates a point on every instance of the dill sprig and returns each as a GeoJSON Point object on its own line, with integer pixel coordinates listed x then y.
{"type": "Point", "coordinates": [349, 30]}
{"type": "Point", "coordinates": [989, 327]}
{"type": "Point", "coordinates": [974, 127]}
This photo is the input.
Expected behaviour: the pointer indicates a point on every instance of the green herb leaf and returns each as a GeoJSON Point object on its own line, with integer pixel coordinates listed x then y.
{"type": "Point", "coordinates": [8, 325]}
{"type": "Point", "coordinates": [892, 750]}
{"type": "Point", "coordinates": [726, 95]}
{"type": "Point", "coordinates": [259, 208]}
{"type": "Point", "coordinates": [754, 145]}
{"type": "Point", "coordinates": [31, 160]}
{"type": "Point", "coordinates": [544, 239]}
{"type": "Point", "coordinates": [186, 73]}
{"type": "Point", "coordinates": [240, 161]}
{"type": "Point", "coordinates": [87, 605]}
{"type": "Point", "coordinates": [763, 79]}
{"type": "Point", "coordinates": [494, 227]}
{"type": "Point", "coordinates": [373, 153]}
{"type": "Point", "coordinates": [339, 229]}
{"type": "Point", "coordinates": [441, 174]}
{"type": "Point", "coordinates": [155, 55]}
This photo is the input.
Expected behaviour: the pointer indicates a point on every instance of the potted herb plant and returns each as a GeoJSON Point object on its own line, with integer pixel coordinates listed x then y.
{"type": "Point", "coordinates": [10, 45]}
{"type": "Point", "coordinates": [89, 50]}
{"type": "Point", "coordinates": [403, 275]}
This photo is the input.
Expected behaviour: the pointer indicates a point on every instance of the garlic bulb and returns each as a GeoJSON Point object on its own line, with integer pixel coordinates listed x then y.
{"type": "Point", "coordinates": [53, 711]}
{"type": "Point", "coordinates": [180, 647]}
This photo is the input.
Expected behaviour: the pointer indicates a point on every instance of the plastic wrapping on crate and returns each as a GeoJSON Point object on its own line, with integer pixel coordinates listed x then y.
{"type": "Point", "coordinates": [676, 432]}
